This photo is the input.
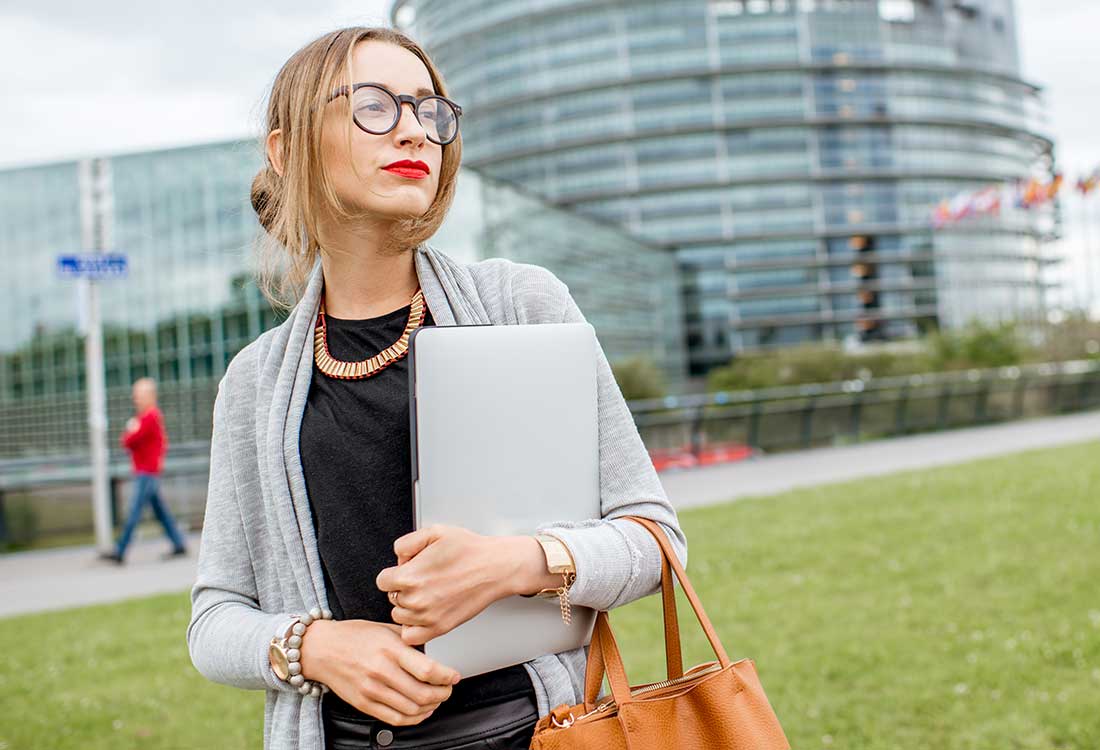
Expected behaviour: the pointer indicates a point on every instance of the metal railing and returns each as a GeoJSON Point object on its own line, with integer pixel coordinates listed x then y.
{"type": "Point", "coordinates": [68, 509]}
{"type": "Point", "coordinates": [805, 416]}
{"type": "Point", "coordinates": [54, 489]}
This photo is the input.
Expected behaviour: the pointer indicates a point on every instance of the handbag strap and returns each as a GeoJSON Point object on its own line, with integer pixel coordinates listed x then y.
{"type": "Point", "coordinates": [674, 660]}
{"type": "Point", "coordinates": [603, 654]}
{"type": "Point", "coordinates": [685, 584]}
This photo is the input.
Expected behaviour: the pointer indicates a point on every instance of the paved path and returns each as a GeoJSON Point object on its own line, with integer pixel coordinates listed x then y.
{"type": "Point", "coordinates": [54, 579]}
{"type": "Point", "coordinates": [49, 579]}
{"type": "Point", "coordinates": [768, 475]}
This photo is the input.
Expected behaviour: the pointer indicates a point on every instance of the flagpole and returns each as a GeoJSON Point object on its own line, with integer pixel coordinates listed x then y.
{"type": "Point", "coordinates": [1082, 292]}
{"type": "Point", "coordinates": [1090, 272]}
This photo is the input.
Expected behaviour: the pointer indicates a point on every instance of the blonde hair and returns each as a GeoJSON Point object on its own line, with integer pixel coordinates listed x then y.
{"type": "Point", "coordinates": [288, 206]}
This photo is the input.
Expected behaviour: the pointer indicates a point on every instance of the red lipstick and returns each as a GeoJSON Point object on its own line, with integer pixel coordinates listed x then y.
{"type": "Point", "coordinates": [417, 170]}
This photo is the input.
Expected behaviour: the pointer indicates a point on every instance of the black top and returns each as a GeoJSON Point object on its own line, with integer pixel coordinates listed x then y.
{"type": "Point", "coordinates": [356, 453]}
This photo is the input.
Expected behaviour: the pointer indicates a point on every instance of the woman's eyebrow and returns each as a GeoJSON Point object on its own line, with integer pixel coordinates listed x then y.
{"type": "Point", "coordinates": [419, 92]}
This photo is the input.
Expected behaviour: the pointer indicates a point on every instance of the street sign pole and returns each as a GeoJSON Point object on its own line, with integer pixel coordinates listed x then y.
{"type": "Point", "coordinates": [96, 214]}
{"type": "Point", "coordinates": [97, 422]}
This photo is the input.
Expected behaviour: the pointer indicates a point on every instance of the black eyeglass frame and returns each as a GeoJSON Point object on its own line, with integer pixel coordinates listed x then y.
{"type": "Point", "coordinates": [400, 100]}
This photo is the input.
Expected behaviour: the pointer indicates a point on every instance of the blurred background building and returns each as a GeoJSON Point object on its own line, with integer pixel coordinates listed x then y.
{"type": "Point", "coordinates": [188, 305]}
{"type": "Point", "coordinates": [788, 153]}
{"type": "Point", "coordinates": [708, 178]}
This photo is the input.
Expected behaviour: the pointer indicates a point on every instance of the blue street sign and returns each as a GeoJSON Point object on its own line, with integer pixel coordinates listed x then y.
{"type": "Point", "coordinates": [92, 265]}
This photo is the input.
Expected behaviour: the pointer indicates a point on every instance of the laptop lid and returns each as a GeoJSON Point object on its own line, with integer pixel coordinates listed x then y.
{"type": "Point", "coordinates": [505, 438]}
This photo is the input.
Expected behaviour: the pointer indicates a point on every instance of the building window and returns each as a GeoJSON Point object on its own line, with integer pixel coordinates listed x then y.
{"type": "Point", "coordinates": [897, 11]}
{"type": "Point", "coordinates": [727, 8]}
{"type": "Point", "coordinates": [967, 8]}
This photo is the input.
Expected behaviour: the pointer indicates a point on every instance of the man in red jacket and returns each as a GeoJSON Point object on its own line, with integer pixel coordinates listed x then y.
{"type": "Point", "coordinates": [147, 442]}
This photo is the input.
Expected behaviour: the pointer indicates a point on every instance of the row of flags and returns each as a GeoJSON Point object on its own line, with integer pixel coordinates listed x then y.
{"type": "Point", "coordinates": [991, 199]}
{"type": "Point", "coordinates": [1022, 194]}
{"type": "Point", "coordinates": [1086, 185]}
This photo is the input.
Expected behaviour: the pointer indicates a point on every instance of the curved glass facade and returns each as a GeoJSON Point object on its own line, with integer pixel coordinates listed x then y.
{"type": "Point", "coordinates": [188, 304]}
{"type": "Point", "coordinates": [788, 153]}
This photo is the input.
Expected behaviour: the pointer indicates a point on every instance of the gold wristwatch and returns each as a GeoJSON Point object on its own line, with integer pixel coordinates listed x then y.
{"type": "Point", "coordinates": [558, 561]}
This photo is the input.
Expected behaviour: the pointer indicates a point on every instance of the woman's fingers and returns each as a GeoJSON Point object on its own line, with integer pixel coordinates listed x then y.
{"type": "Point", "coordinates": [376, 672]}
{"type": "Point", "coordinates": [404, 616]}
{"type": "Point", "coordinates": [423, 694]}
{"type": "Point", "coordinates": [425, 668]}
{"type": "Point", "coordinates": [417, 635]}
{"type": "Point", "coordinates": [389, 715]}
{"type": "Point", "coordinates": [380, 691]}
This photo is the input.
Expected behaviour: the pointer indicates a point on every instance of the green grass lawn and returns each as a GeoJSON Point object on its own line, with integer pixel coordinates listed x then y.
{"type": "Point", "coordinates": [954, 608]}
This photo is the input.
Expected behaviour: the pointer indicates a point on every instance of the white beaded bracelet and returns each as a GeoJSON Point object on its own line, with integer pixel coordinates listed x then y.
{"type": "Point", "coordinates": [284, 653]}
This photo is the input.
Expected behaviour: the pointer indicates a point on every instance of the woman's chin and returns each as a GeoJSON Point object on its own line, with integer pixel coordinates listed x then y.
{"type": "Point", "coordinates": [404, 209]}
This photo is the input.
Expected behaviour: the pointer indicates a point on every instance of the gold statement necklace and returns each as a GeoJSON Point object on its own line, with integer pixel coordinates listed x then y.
{"type": "Point", "coordinates": [336, 368]}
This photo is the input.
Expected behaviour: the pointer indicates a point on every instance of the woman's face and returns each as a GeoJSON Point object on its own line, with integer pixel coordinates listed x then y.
{"type": "Point", "coordinates": [376, 191]}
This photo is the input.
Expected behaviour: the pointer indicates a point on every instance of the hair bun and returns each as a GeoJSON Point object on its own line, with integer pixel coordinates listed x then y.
{"type": "Point", "coordinates": [263, 192]}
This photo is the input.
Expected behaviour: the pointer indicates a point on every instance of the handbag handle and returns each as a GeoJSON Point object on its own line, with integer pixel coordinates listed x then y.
{"type": "Point", "coordinates": [603, 654]}
{"type": "Point", "coordinates": [674, 660]}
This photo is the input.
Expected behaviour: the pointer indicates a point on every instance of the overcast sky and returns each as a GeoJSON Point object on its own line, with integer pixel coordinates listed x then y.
{"type": "Point", "coordinates": [106, 77]}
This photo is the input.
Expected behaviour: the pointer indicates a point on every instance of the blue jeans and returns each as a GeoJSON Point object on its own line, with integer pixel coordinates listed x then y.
{"type": "Point", "coordinates": [147, 490]}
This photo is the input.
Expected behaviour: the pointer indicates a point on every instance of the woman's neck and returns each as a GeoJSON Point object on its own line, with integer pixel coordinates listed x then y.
{"type": "Point", "coordinates": [363, 282]}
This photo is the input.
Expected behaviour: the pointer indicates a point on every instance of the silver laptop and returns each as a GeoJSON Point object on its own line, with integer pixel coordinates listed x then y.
{"type": "Point", "coordinates": [505, 438]}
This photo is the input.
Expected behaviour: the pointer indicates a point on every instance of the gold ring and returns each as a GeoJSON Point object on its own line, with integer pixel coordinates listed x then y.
{"type": "Point", "coordinates": [393, 598]}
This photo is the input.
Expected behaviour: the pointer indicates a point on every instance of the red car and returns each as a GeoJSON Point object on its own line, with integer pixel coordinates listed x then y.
{"type": "Point", "coordinates": [712, 453]}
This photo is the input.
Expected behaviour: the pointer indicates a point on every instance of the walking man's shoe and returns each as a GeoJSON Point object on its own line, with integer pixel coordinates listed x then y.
{"type": "Point", "coordinates": [111, 557]}
{"type": "Point", "coordinates": [177, 552]}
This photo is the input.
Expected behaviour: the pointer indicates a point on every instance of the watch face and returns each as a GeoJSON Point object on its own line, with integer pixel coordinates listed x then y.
{"type": "Point", "coordinates": [279, 662]}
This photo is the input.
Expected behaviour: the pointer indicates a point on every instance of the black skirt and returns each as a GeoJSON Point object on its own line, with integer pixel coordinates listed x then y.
{"type": "Point", "coordinates": [506, 724]}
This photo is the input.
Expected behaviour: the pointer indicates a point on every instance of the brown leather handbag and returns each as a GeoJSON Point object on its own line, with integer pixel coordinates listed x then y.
{"type": "Point", "coordinates": [720, 704]}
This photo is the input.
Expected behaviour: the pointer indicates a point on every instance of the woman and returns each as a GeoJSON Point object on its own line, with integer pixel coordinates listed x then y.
{"type": "Point", "coordinates": [309, 500]}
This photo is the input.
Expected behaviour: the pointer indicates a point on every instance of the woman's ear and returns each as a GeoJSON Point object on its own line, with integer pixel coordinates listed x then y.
{"type": "Point", "coordinates": [274, 146]}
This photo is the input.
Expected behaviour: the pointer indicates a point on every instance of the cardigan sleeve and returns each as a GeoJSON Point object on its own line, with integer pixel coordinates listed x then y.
{"type": "Point", "coordinates": [617, 560]}
{"type": "Point", "coordinates": [228, 634]}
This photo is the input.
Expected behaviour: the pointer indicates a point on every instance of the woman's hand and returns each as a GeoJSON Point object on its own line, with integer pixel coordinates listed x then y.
{"type": "Point", "coordinates": [369, 666]}
{"type": "Point", "coordinates": [446, 575]}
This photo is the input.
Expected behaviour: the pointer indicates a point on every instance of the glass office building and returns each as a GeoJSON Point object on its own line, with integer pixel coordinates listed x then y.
{"type": "Point", "coordinates": [188, 304]}
{"type": "Point", "coordinates": [788, 153]}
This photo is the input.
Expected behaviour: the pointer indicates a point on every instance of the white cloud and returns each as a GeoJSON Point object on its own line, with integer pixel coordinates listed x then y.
{"type": "Point", "coordinates": [112, 76]}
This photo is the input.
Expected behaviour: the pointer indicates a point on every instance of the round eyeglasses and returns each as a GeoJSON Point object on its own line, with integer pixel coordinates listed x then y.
{"type": "Point", "coordinates": [377, 110]}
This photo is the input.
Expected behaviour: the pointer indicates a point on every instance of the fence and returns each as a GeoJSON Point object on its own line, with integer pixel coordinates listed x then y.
{"type": "Point", "coordinates": [48, 496]}
{"type": "Point", "coordinates": [807, 416]}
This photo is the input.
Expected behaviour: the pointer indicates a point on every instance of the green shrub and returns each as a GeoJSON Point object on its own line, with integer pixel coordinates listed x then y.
{"type": "Point", "coordinates": [21, 520]}
{"type": "Point", "coordinates": [639, 378]}
{"type": "Point", "coordinates": [813, 363]}
{"type": "Point", "coordinates": [977, 345]}
{"type": "Point", "coordinates": [1076, 337]}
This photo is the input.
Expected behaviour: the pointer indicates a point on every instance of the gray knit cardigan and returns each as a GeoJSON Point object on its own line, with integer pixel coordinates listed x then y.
{"type": "Point", "coordinates": [258, 563]}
